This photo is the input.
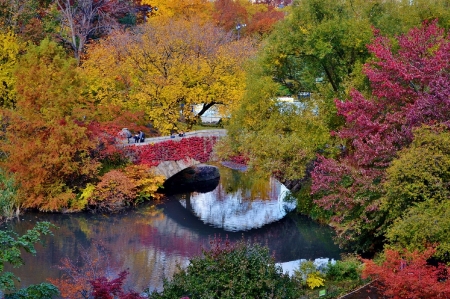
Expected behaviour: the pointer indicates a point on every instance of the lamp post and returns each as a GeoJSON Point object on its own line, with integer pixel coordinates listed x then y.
{"type": "Point", "coordinates": [239, 26]}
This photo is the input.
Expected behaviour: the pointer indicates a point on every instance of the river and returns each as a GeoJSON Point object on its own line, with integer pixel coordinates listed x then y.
{"type": "Point", "coordinates": [151, 239]}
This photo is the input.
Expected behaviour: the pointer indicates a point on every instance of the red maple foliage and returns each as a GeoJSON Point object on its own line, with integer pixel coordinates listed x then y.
{"type": "Point", "coordinates": [410, 83]}
{"type": "Point", "coordinates": [104, 288]}
{"type": "Point", "coordinates": [197, 148]}
{"type": "Point", "coordinates": [407, 275]}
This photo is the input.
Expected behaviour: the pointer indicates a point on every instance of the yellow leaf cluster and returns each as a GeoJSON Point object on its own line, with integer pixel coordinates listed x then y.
{"type": "Point", "coordinates": [10, 48]}
{"type": "Point", "coordinates": [314, 280]}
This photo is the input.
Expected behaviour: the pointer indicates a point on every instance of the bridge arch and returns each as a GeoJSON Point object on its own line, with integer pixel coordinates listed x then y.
{"type": "Point", "coordinates": [167, 169]}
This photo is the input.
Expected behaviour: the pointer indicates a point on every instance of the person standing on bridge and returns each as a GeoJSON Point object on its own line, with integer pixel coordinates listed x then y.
{"type": "Point", "coordinates": [127, 134]}
{"type": "Point", "coordinates": [141, 136]}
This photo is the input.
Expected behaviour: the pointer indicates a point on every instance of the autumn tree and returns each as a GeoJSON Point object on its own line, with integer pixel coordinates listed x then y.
{"type": "Point", "coordinates": [257, 19]}
{"type": "Point", "coordinates": [180, 9]}
{"type": "Point", "coordinates": [316, 54]}
{"type": "Point", "coordinates": [263, 22]}
{"type": "Point", "coordinates": [165, 69]}
{"type": "Point", "coordinates": [300, 59]}
{"type": "Point", "coordinates": [83, 20]}
{"type": "Point", "coordinates": [228, 13]}
{"type": "Point", "coordinates": [406, 274]}
{"type": "Point", "coordinates": [45, 142]}
{"type": "Point", "coordinates": [409, 88]}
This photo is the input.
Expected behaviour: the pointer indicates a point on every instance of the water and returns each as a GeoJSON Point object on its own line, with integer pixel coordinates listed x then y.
{"type": "Point", "coordinates": [151, 240]}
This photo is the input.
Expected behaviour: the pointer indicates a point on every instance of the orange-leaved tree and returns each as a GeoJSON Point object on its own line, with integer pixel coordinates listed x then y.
{"type": "Point", "coordinates": [45, 140]}
{"type": "Point", "coordinates": [404, 275]}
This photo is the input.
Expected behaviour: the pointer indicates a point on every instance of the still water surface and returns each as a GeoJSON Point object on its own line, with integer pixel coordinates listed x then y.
{"type": "Point", "coordinates": [150, 240]}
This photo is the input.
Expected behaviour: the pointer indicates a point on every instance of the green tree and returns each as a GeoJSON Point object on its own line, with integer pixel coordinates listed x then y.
{"type": "Point", "coordinates": [11, 245]}
{"type": "Point", "coordinates": [241, 270]}
{"type": "Point", "coordinates": [420, 173]}
{"type": "Point", "coordinates": [417, 190]}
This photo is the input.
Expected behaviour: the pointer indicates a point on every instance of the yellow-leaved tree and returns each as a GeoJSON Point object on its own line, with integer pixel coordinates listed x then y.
{"type": "Point", "coordinates": [199, 9]}
{"type": "Point", "coordinates": [165, 69]}
{"type": "Point", "coordinates": [10, 48]}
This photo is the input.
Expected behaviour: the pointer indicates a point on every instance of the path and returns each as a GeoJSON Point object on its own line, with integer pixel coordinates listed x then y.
{"type": "Point", "coordinates": [369, 291]}
{"type": "Point", "coordinates": [200, 133]}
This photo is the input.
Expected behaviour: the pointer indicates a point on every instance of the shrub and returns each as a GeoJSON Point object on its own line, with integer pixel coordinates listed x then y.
{"type": "Point", "coordinates": [8, 196]}
{"type": "Point", "coordinates": [308, 274]}
{"type": "Point", "coordinates": [113, 193]}
{"type": "Point", "coordinates": [348, 269]}
{"type": "Point", "coordinates": [240, 270]}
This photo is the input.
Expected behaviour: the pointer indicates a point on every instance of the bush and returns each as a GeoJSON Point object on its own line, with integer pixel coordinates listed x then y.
{"type": "Point", "coordinates": [8, 196]}
{"type": "Point", "coordinates": [241, 270]}
{"type": "Point", "coordinates": [345, 270]}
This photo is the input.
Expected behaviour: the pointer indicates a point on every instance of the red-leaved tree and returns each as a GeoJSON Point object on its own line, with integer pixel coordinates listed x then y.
{"type": "Point", "coordinates": [407, 275]}
{"type": "Point", "coordinates": [104, 288]}
{"type": "Point", "coordinates": [410, 81]}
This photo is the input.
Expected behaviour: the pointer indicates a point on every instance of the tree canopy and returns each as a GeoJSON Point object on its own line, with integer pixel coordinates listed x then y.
{"type": "Point", "coordinates": [168, 68]}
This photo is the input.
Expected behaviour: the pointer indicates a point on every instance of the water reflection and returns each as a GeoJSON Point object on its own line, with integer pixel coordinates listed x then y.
{"type": "Point", "coordinates": [151, 240]}
{"type": "Point", "coordinates": [236, 210]}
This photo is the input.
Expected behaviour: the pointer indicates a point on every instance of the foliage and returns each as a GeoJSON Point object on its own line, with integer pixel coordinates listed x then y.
{"type": "Point", "coordinates": [240, 270]}
{"type": "Point", "coordinates": [405, 274]}
{"type": "Point", "coordinates": [120, 188]}
{"type": "Point", "coordinates": [420, 173]}
{"type": "Point", "coordinates": [113, 192]}
{"type": "Point", "coordinates": [407, 81]}
{"type": "Point", "coordinates": [348, 269]}
{"type": "Point", "coordinates": [197, 148]}
{"type": "Point", "coordinates": [308, 274]}
{"type": "Point", "coordinates": [146, 183]}
{"type": "Point", "coordinates": [77, 275]}
{"type": "Point", "coordinates": [318, 50]}
{"type": "Point", "coordinates": [110, 289]}
{"type": "Point", "coordinates": [421, 225]}
{"type": "Point", "coordinates": [272, 134]}
{"type": "Point", "coordinates": [417, 192]}
{"type": "Point", "coordinates": [40, 291]}
{"type": "Point", "coordinates": [8, 196]}
{"type": "Point", "coordinates": [55, 151]}
{"type": "Point", "coordinates": [11, 245]}
{"type": "Point", "coordinates": [180, 9]}
{"type": "Point", "coordinates": [315, 280]}
{"type": "Point", "coordinates": [166, 68]}
{"type": "Point", "coordinates": [10, 48]}
{"type": "Point", "coordinates": [82, 20]}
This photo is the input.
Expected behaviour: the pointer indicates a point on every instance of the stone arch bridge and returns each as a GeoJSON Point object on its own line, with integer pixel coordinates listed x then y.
{"type": "Point", "coordinates": [170, 168]}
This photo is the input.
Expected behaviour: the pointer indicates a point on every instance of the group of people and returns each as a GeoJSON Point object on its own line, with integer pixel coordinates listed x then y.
{"type": "Point", "coordinates": [139, 137]}
{"type": "Point", "coordinates": [180, 134]}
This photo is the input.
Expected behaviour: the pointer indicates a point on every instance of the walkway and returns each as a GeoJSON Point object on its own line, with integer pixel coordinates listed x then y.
{"type": "Point", "coordinates": [200, 133]}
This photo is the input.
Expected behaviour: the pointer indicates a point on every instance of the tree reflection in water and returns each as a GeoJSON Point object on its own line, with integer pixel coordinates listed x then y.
{"type": "Point", "coordinates": [150, 240]}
